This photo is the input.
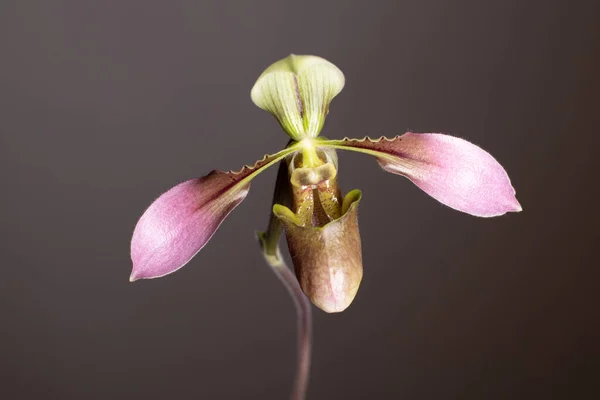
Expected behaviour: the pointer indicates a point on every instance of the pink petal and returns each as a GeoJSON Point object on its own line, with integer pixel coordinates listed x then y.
{"type": "Point", "coordinates": [451, 170]}
{"type": "Point", "coordinates": [182, 220]}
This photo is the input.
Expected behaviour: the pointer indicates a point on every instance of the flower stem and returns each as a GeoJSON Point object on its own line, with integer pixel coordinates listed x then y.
{"type": "Point", "coordinates": [304, 316]}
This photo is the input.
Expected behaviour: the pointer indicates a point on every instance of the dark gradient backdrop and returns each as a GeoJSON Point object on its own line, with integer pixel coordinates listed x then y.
{"type": "Point", "coordinates": [106, 104]}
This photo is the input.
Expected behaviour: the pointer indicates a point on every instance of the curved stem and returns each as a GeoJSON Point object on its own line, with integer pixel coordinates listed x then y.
{"type": "Point", "coordinates": [304, 314]}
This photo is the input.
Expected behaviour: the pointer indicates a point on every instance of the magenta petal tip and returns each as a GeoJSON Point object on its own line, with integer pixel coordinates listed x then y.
{"type": "Point", "coordinates": [133, 277]}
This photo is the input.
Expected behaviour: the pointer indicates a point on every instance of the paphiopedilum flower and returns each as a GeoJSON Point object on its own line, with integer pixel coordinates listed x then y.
{"type": "Point", "coordinates": [320, 223]}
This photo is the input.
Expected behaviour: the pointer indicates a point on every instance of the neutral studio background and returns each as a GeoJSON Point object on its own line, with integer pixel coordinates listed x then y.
{"type": "Point", "coordinates": [106, 104]}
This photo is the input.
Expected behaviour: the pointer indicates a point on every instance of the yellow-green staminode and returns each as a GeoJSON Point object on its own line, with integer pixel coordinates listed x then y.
{"type": "Point", "coordinates": [297, 90]}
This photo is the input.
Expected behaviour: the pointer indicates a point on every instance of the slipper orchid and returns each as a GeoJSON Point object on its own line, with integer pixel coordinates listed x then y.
{"type": "Point", "coordinates": [320, 224]}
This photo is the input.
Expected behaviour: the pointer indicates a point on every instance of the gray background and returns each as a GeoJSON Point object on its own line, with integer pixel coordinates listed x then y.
{"type": "Point", "coordinates": [106, 104]}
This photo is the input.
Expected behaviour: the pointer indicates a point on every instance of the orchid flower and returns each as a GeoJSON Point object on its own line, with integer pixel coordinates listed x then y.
{"type": "Point", "coordinates": [321, 225]}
